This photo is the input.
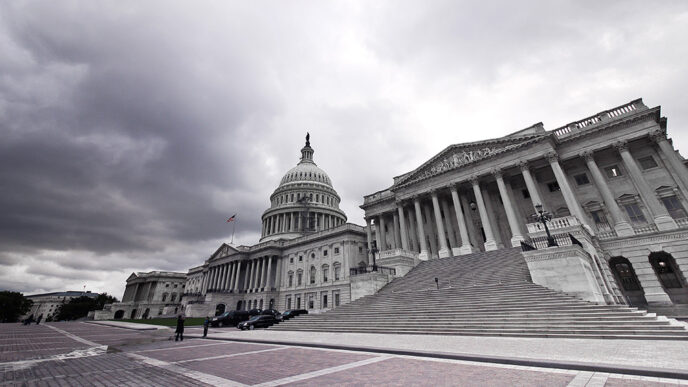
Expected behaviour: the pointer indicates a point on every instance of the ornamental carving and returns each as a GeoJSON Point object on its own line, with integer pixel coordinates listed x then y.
{"type": "Point", "coordinates": [462, 158]}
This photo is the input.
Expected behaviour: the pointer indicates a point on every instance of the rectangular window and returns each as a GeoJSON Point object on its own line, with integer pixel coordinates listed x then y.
{"type": "Point", "coordinates": [634, 213]}
{"type": "Point", "coordinates": [326, 273]}
{"type": "Point", "coordinates": [598, 216]}
{"type": "Point", "coordinates": [324, 300]}
{"type": "Point", "coordinates": [647, 162]}
{"type": "Point", "coordinates": [291, 280]}
{"type": "Point", "coordinates": [582, 179]}
{"type": "Point", "coordinates": [299, 279]}
{"type": "Point", "coordinates": [553, 186]}
{"type": "Point", "coordinates": [291, 260]}
{"type": "Point", "coordinates": [673, 205]}
{"type": "Point", "coordinates": [337, 271]}
{"type": "Point", "coordinates": [336, 250]}
{"type": "Point", "coordinates": [288, 302]}
{"type": "Point", "coordinates": [336, 299]}
{"type": "Point", "coordinates": [612, 171]}
{"type": "Point", "coordinates": [311, 301]}
{"type": "Point", "coordinates": [298, 302]}
{"type": "Point", "coordinates": [360, 249]}
{"type": "Point", "coordinates": [300, 258]}
{"type": "Point", "coordinates": [325, 253]}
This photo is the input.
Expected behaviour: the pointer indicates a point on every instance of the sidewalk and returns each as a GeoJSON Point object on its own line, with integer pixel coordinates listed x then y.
{"type": "Point", "coordinates": [639, 357]}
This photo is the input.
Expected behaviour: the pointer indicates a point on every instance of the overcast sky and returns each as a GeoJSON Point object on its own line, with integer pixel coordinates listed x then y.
{"type": "Point", "coordinates": [131, 130]}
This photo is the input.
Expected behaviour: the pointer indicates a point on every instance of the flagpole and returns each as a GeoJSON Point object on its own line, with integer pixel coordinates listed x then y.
{"type": "Point", "coordinates": [233, 228]}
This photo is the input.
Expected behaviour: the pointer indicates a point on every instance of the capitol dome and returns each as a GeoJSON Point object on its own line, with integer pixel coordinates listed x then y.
{"type": "Point", "coordinates": [303, 203]}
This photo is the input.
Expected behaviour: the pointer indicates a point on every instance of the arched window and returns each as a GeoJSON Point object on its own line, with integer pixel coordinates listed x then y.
{"type": "Point", "coordinates": [337, 271]}
{"type": "Point", "coordinates": [666, 270]}
{"type": "Point", "coordinates": [173, 298]}
{"type": "Point", "coordinates": [326, 272]}
{"type": "Point", "coordinates": [299, 277]}
{"type": "Point", "coordinates": [219, 309]}
{"type": "Point", "coordinates": [312, 274]}
{"type": "Point", "coordinates": [290, 276]}
{"type": "Point", "coordinates": [623, 270]}
{"type": "Point", "coordinates": [164, 297]}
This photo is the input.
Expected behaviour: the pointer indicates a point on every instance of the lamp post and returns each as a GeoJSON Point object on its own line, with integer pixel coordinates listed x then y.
{"type": "Point", "coordinates": [373, 250]}
{"type": "Point", "coordinates": [544, 217]}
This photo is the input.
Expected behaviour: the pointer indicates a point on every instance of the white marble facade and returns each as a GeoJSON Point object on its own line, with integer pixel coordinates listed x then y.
{"type": "Point", "coordinates": [612, 180]}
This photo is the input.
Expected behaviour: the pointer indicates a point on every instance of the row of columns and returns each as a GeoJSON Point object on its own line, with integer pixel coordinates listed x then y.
{"type": "Point", "coordinates": [658, 211]}
{"type": "Point", "coordinates": [293, 222]}
{"type": "Point", "coordinates": [225, 277]}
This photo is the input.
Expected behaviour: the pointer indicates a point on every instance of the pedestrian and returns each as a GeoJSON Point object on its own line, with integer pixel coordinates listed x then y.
{"type": "Point", "coordinates": [29, 320]}
{"type": "Point", "coordinates": [38, 320]}
{"type": "Point", "coordinates": [205, 326]}
{"type": "Point", "coordinates": [180, 329]}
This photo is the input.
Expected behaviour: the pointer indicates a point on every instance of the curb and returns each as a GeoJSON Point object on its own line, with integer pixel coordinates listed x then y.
{"type": "Point", "coordinates": [143, 327]}
{"type": "Point", "coordinates": [567, 365]}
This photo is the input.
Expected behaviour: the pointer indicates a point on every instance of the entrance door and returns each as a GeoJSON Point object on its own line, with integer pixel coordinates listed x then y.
{"type": "Point", "coordinates": [627, 280]}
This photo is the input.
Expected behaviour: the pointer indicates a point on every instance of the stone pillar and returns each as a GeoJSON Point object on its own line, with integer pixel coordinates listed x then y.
{"type": "Point", "coordinates": [259, 271]}
{"type": "Point", "coordinates": [622, 227]}
{"type": "Point", "coordinates": [660, 214]}
{"type": "Point", "coordinates": [252, 265]}
{"type": "Point", "coordinates": [402, 228]}
{"type": "Point", "coordinates": [369, 234]}
{"type": "Point", "coordinates": [378, 240]}
{"type": "Point", "coordinates": [490, 243]}
{"type": "Point", "coordinates": [432, 247]}
{"type": "Point", "coordinates": [273, 222]}
{"type": "Point", "coordinates": [516, 237]}
{"type": "Point", "coordinates": [236, 275]}
{"type": "Point", "coordinates": [443, 250]}
{"type": "Point", "coordinates": [221, 277]}
{"type": "Point", "coordinates": [247, 275]}
{"type": "Point", "coordinates": [466, 246]}
{"type": "Point", "coordinates": [423, 256]}
{"type": "Point", "coordinates": [383, 233]}
{"type": "Point", "coordinates": [670, 155]}
{"type": "Point", "coordinates": [263, 266]}
{"type": "Point", "coordinates": [413, 233]}
{"type": "Point", "coordinates": [569, 197]}
{"type": "Point", "coordinates": [448, 224]}
{"type": "Point", "coordinates": [531, 185]}
{"type": "Point", "coordinates": [269, 284]}
{"type": "Point", "coordinates": [397, 236]}
{"type": "Point", "coordinates": [230, 273]}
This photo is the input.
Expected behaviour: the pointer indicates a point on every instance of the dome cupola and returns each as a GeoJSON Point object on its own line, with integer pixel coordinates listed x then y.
{"type": "Point", "coordinates": [304, 202]}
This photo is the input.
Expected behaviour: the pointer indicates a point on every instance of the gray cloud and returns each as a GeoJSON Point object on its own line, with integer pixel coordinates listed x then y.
{"type": "Point", "coordinates": [131, 131]}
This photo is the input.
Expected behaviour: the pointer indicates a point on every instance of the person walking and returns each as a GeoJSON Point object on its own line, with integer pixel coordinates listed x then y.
{"type": "Point", "coordinates": [205, 326]}
{"type": "Point", "coordinates": [38, 320]}
{"type": "Point", "coordinates": [180, 329]}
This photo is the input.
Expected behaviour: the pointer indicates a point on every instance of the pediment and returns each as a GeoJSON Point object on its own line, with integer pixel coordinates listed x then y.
{"type": "Point", "coordinates": [461, 155]}
{"type": "Point", "coordinates": [223, 251]}
{"type": "Point", "coordinates": [133, 276]}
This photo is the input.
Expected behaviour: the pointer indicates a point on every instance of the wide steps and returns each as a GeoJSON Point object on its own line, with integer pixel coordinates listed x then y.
{"type": "Point", "coordinates": [483, 294]}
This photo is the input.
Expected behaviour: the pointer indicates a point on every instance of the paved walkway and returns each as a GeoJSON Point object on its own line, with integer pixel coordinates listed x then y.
{"type": "Point", "coordinates": [660, 355]}
{"type": "Point", "coordinates": [59, 354]}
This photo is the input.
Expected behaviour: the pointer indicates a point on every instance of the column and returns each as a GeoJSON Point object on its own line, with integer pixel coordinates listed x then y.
{"type": "Point", "coordinates": [397, 237]}
{"type": "Point", "coordinates": [211, 277]}
{"type": "Point", "coordinates": [402, 228]}
{"type": "Point", "coordinates": [516, 237]}
{"type": "Point", "coordinates": [269, 284]}
{"type": "Point", "coordinates": [273, 220]}
{"type": "Point", "coordinates": [449, 227]}
{"type": "Point", "coordinates": [413, 232]}
{"type": "Point", "coordinates": [230, 278]}
{"type": "Point", "coordinates": [432, 248]}
{"type": "Point", "coordinates": [252, 264]}
{"type": "Point", "coordinates": [220, 276]}
{"type": "Point", "coordinates": [236, 275]}
{"type": "Point", "coordinates": [444, 250]}
{"type": "Point", "coordinates": [490, 243]}
{"type": "Point", "coordinates": [383, 233]}
{"type": "Point", "coordinates": [247, 275]}
{"type": "Point", "coordinates": [569, 197]}
{"type": "Point", "coordinates": [660, 214]}
{"type": "Point", "coordinates": [369, 234]}
{"type": "Point", "coordinates": [259, 269]}
{"type": "Point", "coordinates": [622, 227]}
{"type": "Point", "coordinates": [263, 266]}
{"type": "Point", "coordinates": [378, 240]}
{"type": "Point", "coordinates": [531, 185]}
{"type": "Point", "coordinates": [670, 155]}
{"type": "Point", "coordinates": [423, 256]}
{"type": "Point", "coordinates": [298, 222]}
{"type": "Point", "coordinates": [466, 246]}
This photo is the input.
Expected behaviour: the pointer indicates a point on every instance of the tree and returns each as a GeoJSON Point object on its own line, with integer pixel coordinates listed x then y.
{"type": "Point", "coordinates": [79, 307]}
{"type": "Point", "coordinates": [13, 305]}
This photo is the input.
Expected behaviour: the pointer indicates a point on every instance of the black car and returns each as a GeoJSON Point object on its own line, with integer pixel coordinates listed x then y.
{"type": "Point", "coordinates": [231, 318]}
{"type": "Point", "coordinates": [292, 313]}
{"type": "Point", "coordinates": [260, 321]}
{"type": "Point", "coordinates": [270, 312]}
{"type": "Point", "coordinates": [254, 312]}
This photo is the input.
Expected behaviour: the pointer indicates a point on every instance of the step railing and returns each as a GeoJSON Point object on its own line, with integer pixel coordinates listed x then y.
{"type": "Point", "coordinates": [372, 269]}
{"type": "Point", "coordinates": [541, 242]}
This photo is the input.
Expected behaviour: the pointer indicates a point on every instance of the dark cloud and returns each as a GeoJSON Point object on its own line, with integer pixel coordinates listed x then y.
{"type": "Point", "coordinates": [130, 131]}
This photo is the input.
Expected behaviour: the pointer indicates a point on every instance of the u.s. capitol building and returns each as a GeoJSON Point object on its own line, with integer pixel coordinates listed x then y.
{"type": "Point", "coordinates": [613, 184]}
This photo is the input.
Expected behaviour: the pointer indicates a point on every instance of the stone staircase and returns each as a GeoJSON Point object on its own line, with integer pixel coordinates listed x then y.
{"type": "Point", "coordinates": [486, 294]}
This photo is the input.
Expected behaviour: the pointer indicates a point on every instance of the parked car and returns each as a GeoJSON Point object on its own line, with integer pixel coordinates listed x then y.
{"type": "Point", "coordinates": [254, 312]}
{"type": "Point", "coordinates": [231, 318]}
{"type": "Point", "coordinates": [271, 312]}
{"type": "Point", "coordinates": [260, 321]}
{"type": "Point", "coordinates": [292, 313]}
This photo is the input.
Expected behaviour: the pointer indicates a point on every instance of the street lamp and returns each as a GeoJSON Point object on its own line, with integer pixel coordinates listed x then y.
{"type": "Point", "coordinates": [373, 250]}
{"type": "Point", "coordinates": [544, 217]}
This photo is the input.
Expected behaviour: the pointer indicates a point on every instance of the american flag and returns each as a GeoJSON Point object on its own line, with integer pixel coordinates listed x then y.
{"type": "Point", "coordinates": [231, 218]}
